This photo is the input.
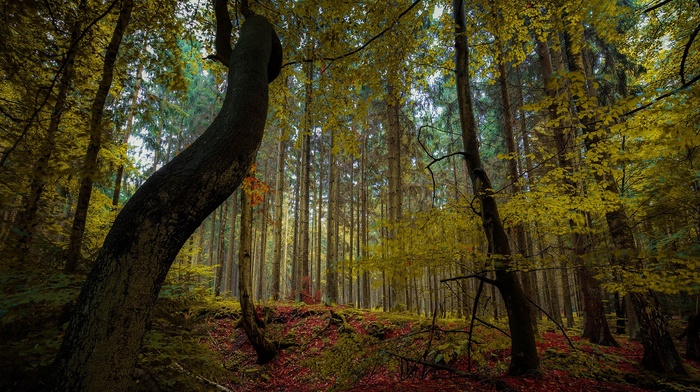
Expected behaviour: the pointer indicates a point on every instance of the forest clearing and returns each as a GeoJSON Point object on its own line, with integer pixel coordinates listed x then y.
{"type": "Point", "coordinates": [241, 195]}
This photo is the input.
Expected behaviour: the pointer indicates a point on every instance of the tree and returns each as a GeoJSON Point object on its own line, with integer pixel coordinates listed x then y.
{"type": "Point", "coordinates": [101, 345]}
{"type": "Point", "coordinates": [279, 207]}
{"type": "Point", "coordinates": [263, 347]}
{"type": "Point", "coordinates": [26, 222]}
{"type": "Point", "coordinates": [96, 135]}
{"type": "Point", "coordinates": [524, 359]}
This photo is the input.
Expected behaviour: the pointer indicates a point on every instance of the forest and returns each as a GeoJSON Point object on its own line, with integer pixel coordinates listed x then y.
{"type": "Point", "coordinates": [234, 195]}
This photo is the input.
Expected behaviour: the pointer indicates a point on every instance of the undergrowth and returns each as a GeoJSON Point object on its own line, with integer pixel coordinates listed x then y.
{"type": "Point", "coordinates": [195, 343]}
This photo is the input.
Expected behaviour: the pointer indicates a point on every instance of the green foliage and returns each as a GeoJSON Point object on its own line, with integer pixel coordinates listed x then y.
{"type": "Point", "coordinates": [34, 307]}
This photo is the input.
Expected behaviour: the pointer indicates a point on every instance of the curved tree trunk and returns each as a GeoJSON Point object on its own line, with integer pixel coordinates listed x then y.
{"type": "Point", "coordinates": [101, 346]}
{"type": "Point", "coordinates": [524, 358]}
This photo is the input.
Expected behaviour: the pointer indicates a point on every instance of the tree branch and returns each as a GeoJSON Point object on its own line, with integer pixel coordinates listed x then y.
{"type": "Point", "coordinates": [223, 32]}
{"type": "Point", "coordinates": [687, 49]}
{"type": "Point", "coordinates": [663, 96]}
{"type": "Point", "coordinates": [359, 48]}
{"type": "Point", "coordinates": [245, 9]}
{"type": "Point", "coordinates": [563, 331]}
{"type": "Point", "coordinates": [477, 276]}
{"type": "Point", "coordinates": [661, 4]}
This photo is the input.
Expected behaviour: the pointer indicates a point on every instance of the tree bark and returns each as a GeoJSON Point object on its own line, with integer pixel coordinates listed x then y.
{"type": "Point", "coordinates": [306, 295]}
{"type": "Point", "coordinates": [279, 206]}
{"type": "Point", "coordinates": [524, 358]}
{"type": "Point", "coordinates": [265, 349]}
{"type": "Point", "coordinates": [319, 215]}
{"type": "Point", "coordinates": [263, 248]}
{"type": "Point", "coordinates": [220, 254]}
{"type": "Point", "coordinates": [90, 168]}
{"type": "Point", "coordinates": [331, 241]}
{"type": "Point", "coordinates": [100, 347]}
{"type": "Point", "coordinates": [229, 280]}
{"type": "Point", "coordinates": [366, 292]}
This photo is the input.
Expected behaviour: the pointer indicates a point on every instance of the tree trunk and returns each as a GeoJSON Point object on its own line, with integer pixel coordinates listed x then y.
{"type": "Point", "coordinates": [101, 346]}
{"type": "Point", "coordinates": [220, 261]}
{"type": "Point", "coordinates": [127, 130]}
{"type": "Point", "coordinates": [660, 354]}
{"type": "Point", "coordinates": [366, 292]}
{"type": "Point", "coordinates": [26, 221]}
{"type": "Point", "coordinates": [524, 359]}
{"type": "Point", "coordinates": [351, 227]}
{"type": "Point", "coordinates": [263, 248]}
{"type": "Point", "coordinates": [596, 328]}
{"type": "Point", "coordinates": [319, 214]}
{"type": "Point", "coordinates": [295, 283]}
{"type": "Point", "coordinates": [230, 282]}
{"type": "Point", "coordinates": [331, 241]}
{"type": "Point", "coordinates": [306, 294]}
{"type": "Point", "coordinates": [279, 206]}
{"type": "Point", "coordinates": [508, 124]}
{"type": "Point", "coordinates": [265, 349]}
{"type": "Point", "coordinates": [96, 131]}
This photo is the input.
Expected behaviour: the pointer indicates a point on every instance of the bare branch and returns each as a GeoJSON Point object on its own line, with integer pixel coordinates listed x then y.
{"type": "Point", "coordinates": [664, 96]}
{"type": "Point", "coordinates": [475, 276]}
{"type": "Point", "coordinates": [686, 50]}
{"type": "Point", "coordinates": [661, 4]}
{"type": "Point", "coordinates": [359, 48]}
{"type": "Point", "coordinates": [223, 32]}
{"type": "Point", "coordinates": [561, 328]}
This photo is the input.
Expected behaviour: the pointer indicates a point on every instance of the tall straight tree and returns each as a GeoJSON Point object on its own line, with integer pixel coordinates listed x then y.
{"type": "Point", "coordinates": [524, 358]}
{"type": "Point", "coordinates": [331, 240]}
{"type": "Point", "coordinates": [229, 281]}
{"type": "Point", "coordinates": [96, 134]}
{"type": "Point", "coordinates": [279, 207]}
{"type": "Point", "coordinates": [26, 221]}
{"type": "Point", "coordinates": [100, 347]}
{"type": "Point", "coordinates": [263, 346]}
{"type": "Point", "coordinates": [394, 210]}
{"type": "Point", "coordinates": [596, 327]}
{"type": "Point", "coordinates": [305, 181]}
{"type": "Point", "coordinates": [660, 353]}
{"type": "Point", "coordinates": [508, 124]}
{"type": "Point", "coordinates": [129, 126]}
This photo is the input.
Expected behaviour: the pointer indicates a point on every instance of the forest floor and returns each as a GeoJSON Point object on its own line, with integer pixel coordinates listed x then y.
{"type": "Point", "coordinates": [195, 343]}
{"type": "Point", "coordinates": [342, 348]}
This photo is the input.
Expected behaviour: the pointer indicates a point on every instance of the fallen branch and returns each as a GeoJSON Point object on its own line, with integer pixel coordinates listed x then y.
{"type": "Point", "coordinates": [214, 384]}
{"type": "Point", "coordinates": [561, 328]}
